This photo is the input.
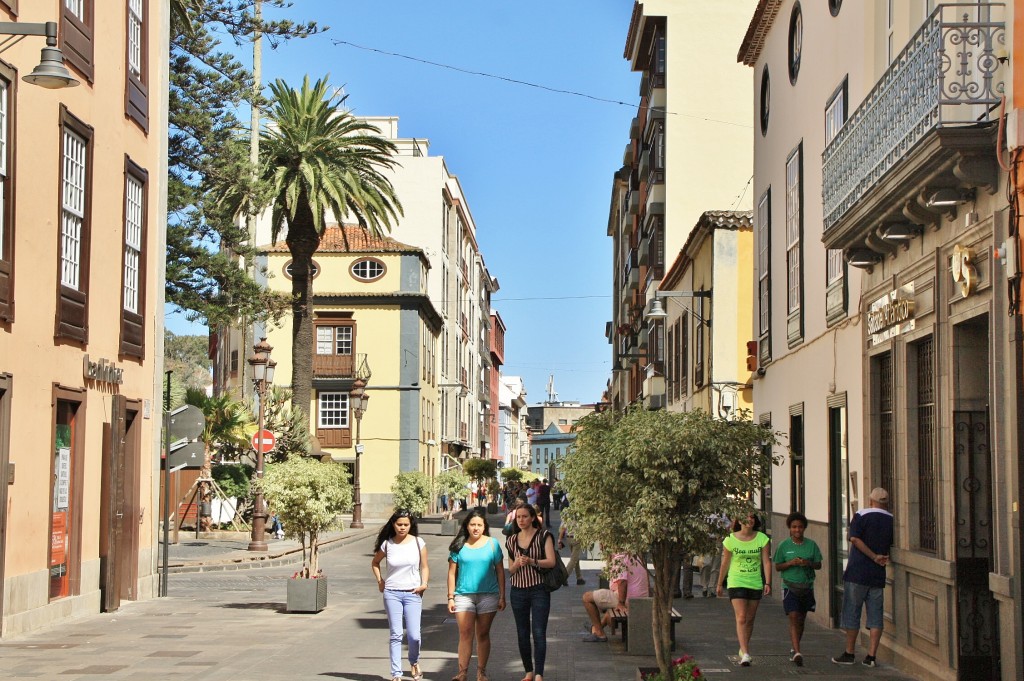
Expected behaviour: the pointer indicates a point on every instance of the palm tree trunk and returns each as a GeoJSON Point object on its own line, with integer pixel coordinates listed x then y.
{"type": "Point", "coordinates": [303, 241]}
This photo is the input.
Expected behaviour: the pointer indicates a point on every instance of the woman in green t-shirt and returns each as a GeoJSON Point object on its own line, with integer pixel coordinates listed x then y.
{"type": "Point", "coordinates": [746, 562]}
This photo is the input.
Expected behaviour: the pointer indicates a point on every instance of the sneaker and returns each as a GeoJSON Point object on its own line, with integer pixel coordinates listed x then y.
{"type": "Point", "coordinates": [869, 661]}
{"type": "Point", "coordinates": [797, 659]}
{"type": "Point", "coordinates": [580, 581]}
{"type": "Point", "coordinates": [745, 660]}
{"type": "Point", "coordinates": [845, 658]}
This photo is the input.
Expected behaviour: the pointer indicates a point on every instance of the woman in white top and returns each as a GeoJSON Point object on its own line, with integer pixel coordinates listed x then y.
{"type": "Point", "coordinates": [407, 575]}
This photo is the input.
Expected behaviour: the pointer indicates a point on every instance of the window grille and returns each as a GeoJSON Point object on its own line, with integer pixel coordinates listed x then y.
{"type": "Point", "coordinates": [132, 242]}
{"type": "Point", "coordinates": [926, 444]}
{"type": "Point", "coordinates": [73, 213]}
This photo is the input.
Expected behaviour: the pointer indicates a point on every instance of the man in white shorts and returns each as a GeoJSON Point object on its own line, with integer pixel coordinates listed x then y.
{"type": "Point", "coordinates": [630, 582]}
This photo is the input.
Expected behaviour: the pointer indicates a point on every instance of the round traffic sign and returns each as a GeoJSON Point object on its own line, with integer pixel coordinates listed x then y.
{"type": "Point", "coordinates": [268, 441]}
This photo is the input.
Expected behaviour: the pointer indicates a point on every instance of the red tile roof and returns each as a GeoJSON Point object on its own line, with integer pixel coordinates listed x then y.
{"type": "Point", "coordinates": [359, 240]}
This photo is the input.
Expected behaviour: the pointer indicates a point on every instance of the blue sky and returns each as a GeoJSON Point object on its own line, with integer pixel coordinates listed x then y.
{"type": "Point", "coordinates": [536, 166]}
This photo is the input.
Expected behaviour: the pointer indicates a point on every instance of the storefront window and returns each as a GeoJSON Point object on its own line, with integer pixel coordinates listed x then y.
{"type": "Point", "coordinates": [60, 518]}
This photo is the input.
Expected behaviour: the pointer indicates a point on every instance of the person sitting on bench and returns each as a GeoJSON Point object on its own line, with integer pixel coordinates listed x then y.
{"type": "Point", "coordinates": [630, 581]}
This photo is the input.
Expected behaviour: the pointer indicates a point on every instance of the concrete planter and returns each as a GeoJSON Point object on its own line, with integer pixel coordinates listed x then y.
{"type": "Point", "coordinates": [449, 527]}
{"type": "Point", "coordinates": [307, 595]}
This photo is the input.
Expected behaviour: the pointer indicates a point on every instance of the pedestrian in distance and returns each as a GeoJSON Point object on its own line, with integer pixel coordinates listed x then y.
{"type": "Point", "coordinates": [630, 581]}
{"type": "Point", "coordinates": [476, 590]}
{"type": "Point", "coordinates": [796, 559]}
{"type": "Point", "coordinates": [747, 566]}
{"type": "Point", "coordinates": [398, 543]}
{"type": "Point", "coordinates": [530, 549]}
{"type": "Point", "coordinates": [864, 578]}
{"type": "Point", "coordinates": [544, 501]}
{"type": "Point", "coordinates": [713, 564]}
{"type": "Point", "coordinates": [565, 537]}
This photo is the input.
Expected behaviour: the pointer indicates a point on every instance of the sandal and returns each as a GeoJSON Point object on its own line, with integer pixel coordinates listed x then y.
{"type": "Point", "coordinates": [461, 676]}
{"type": "Point", "coordinates": [481, 674]}
{"type": "Point", "coordinates": [417, 674]}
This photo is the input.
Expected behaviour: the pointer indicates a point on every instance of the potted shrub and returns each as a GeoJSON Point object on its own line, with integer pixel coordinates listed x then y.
{"type": "Point", "coordinates": [480, 471]}
{"type": "Point", "coordinates": [411, 491]}
{"type": "Point", "coordinates": [308, 496]}
{"type": "Point", "coordinates": [670, 473]}
{"type": "Point", "coordinates": [452, 484]}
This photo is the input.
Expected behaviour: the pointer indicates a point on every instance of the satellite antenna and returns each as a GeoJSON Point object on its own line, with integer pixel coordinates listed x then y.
{"type": "Point", "coordinates": [552, 395]}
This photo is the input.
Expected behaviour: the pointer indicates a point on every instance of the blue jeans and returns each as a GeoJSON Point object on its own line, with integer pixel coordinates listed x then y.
{"type": "Point", "coordinates": [399, 604]}
{"type": "Point", "coordinates": [531, 608]}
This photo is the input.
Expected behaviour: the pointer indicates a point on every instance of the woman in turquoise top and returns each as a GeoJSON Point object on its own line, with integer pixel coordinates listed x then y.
{"type": "Point", "coordinates": [476, 590]}
{"type": "Point", "coordinates": [748, 564]}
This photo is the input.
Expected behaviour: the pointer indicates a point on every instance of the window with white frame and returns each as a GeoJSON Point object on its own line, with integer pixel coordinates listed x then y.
{"type": "Point", "coordinates": [334, 340]}
{"type": "Point", "coordinates": [76, 7]}
{"type": "Point", "coordinates": [835, 117]}
{"type": "Point", "coordinates": [764, 263]}
{"type": "Point", "coordinates": [793, 233]}
{"type": "Point", "coordinates": [133, 199]}
{"type": "Point", "coordinates": [135, 38]}
{"type": "Point", "coordinates": [73, 209]}
{"type": "Point", "coordinates": [332, 410]}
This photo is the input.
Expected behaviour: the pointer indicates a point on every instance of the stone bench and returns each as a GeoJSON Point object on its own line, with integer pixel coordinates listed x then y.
{"type": "Point", "coordinates": [643, 616]}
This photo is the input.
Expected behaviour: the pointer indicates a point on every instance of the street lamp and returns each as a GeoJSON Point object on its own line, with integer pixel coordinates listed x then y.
{"type": "Point", "coordinates": [262, 377]}
{"type": "Point", "coordinates": [50, 73]}
{"type": "Point", "coordinates": [358, 400]}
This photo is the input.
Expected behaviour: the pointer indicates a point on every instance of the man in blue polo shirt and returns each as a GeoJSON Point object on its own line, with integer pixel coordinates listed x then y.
{"type": "Point", "coordinates": [864, 578]}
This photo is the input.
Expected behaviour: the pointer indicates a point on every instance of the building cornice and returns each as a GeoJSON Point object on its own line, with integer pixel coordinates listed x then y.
{"type": "Point", "coordinates": [406, 300]}
{"type": "Point", "coordinates": [757, 31]}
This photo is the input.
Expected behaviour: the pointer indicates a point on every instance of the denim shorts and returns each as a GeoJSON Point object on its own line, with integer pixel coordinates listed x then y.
{"type": "Point", "coordinates": [478, 603]}
{"type": "Point", "coordinates": [857, 595]}
{"type": "Point", "coordinates": [745, 594]}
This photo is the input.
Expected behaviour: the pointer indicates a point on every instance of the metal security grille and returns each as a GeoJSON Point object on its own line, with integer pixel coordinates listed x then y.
{"type": "Point", "coordinates": [73, 214]}
{"type": "Point", "coordinates": [926, 443]}
{"type": "Point", "coordinates": [132, 242]}
{"type": "Point", "coordinates": [887, 448]}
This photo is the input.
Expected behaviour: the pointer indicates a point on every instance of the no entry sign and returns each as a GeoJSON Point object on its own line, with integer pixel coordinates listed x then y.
{"type": "Point", "coordinates": [268, 441]}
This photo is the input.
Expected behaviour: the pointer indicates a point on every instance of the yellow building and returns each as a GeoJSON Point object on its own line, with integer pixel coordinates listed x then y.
{"type": "Point", "coordinates": [706, 301]}
{"type": "Point", "coordinates": [81, 249]}
{"type": "Point", "coordinates": [372, 320]}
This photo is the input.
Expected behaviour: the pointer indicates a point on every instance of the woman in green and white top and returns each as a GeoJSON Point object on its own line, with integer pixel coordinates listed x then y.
{"type": "Point", "coordinates": [747, 564]}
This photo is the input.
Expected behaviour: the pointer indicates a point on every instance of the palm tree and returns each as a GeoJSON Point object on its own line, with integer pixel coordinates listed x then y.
{"type": "Point", "coordinates": [318, 157]}
{"type": "Point", "coordinates": [229, 424]}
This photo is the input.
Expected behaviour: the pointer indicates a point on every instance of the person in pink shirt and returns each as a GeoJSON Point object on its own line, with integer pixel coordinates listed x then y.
{"type": "Point", "coordinates": [630, 581]}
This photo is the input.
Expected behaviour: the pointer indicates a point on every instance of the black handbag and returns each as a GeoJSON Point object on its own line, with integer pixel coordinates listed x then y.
{"type": "Point", "coordinates": [554, 577]}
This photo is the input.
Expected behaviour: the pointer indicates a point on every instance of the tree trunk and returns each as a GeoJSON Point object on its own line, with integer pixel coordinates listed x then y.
{"type": "Point", "coordinates": [666, 559]}
{"type": "Point", "coordinates": [303, 241]}
{"type": "Point", "coordinates": [204, 523]}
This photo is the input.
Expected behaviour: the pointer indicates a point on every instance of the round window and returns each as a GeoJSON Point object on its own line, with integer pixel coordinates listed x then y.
{"type": "Point", "coordinates": [314, 269]}
{"type": "Point", "coordinates": [766, 95]}
{"type": "Point", "coordinates": [796, 41]}
{"type": "Point", "coordinates": [368, 269]}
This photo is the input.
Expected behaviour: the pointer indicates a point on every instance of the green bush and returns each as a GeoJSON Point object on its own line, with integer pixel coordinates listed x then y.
{"type": "Point", "coordinates": [233, 479]}
{"type": "Point", "coordinates": [411, 490]}
{"type": "Point", "coordinates": [308, 496]}
{"type": "Point", "coordinates": [451, 483]}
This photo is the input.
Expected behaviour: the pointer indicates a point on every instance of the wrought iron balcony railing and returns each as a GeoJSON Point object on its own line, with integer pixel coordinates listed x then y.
{"type": "Point", "coordinates": [947, 75]}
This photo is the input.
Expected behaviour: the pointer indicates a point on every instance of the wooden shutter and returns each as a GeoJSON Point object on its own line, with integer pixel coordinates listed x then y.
{"type": "Point", "coordinates": [133, 324]}
{"type": "Point", "coordinates": [73, 304]}
{"type": "Point", "coordinates": [10, 78]}
{"type": "Point", "coordinates": [136, 93]}
{"type": "Point", "coordinates": [76, 38]}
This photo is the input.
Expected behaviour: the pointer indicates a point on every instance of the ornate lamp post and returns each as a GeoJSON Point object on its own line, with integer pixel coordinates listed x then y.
{"type": "Point", "coordinates": [358, 400]}
{"type": "Point", "coordinates": [262, 378]}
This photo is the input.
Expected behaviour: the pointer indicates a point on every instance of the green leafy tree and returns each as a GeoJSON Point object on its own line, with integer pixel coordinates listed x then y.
{"type": "Point", "coordinates": [452, 484]}
{"type": "Point", "coordinates": [308, 496]}
{"type": "Point", "coordinates": [511, 475]}
{"type": "Point", "coordinates": [411, 490]}
{"type": "Point", "coordinates": [480, 470]}
{"type": "Point", "coordinates": [317, 158]}
{"type": "Point", "coordinates": [669, 474]}
{"type": "Point", "coordinates": [188, 360]}
{"type": "Point", "coordinates": [208, 159]}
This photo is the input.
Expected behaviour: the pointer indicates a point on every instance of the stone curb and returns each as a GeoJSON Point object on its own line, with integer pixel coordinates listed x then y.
{"type": "Point", "coordinates": [266, 560]}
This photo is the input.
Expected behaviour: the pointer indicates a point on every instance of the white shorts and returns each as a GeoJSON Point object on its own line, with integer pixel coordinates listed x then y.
{"type": "Point", "coordinates": [605, 599]}
{"type": "Point", "coordinates": [481, 604]}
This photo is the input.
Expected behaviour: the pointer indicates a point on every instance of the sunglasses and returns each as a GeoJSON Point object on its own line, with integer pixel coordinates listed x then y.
{"type": "Point", "coordinates": [403, 513]}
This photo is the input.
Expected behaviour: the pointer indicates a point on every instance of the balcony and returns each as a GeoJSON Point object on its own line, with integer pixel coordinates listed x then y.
{"type": "Point", "coordinates": [634, 201]}
{"type": "Point", "coordinates": [928, 123]}
{"type": "Point", "coordinates": [338, 366]}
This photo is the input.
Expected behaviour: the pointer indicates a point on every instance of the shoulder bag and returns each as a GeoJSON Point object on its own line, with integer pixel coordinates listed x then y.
{"type": "Point", "coordinates": [554, 577]}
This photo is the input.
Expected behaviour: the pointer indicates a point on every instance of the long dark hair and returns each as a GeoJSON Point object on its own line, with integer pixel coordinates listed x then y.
{"type": "Point", "coordinates": [463, 535]}
{"type": "Point", "coordinates": [532, 508]}
{"type": "Point", "coordinates": [757, 523]}
{"type": "Point", "coordinates": [388, 531]}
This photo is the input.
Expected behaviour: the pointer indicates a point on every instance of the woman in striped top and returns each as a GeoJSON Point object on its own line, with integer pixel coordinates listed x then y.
{"type": "Point", "coordinates": [530, 549]}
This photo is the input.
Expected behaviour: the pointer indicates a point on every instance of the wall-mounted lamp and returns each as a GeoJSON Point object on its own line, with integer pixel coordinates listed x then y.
{"type": "Point", "coordinates": [948, 196]}
{"type": "Point", "coordinates": [901, 232]}
{"type": "Point", "coordinates": [657, 310]}
{"type": "Point", "coordinates": [50, 72]}
{"type": "Point", "coordinates": [864, 258]}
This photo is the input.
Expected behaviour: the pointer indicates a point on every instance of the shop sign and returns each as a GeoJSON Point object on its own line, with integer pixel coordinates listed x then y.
{"type": "Point", "coordinates": [103, 371]}
{"type": "Point", "coordinates": [892, 314]}
{"type": "Point", "coordinates": [961, 266]}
